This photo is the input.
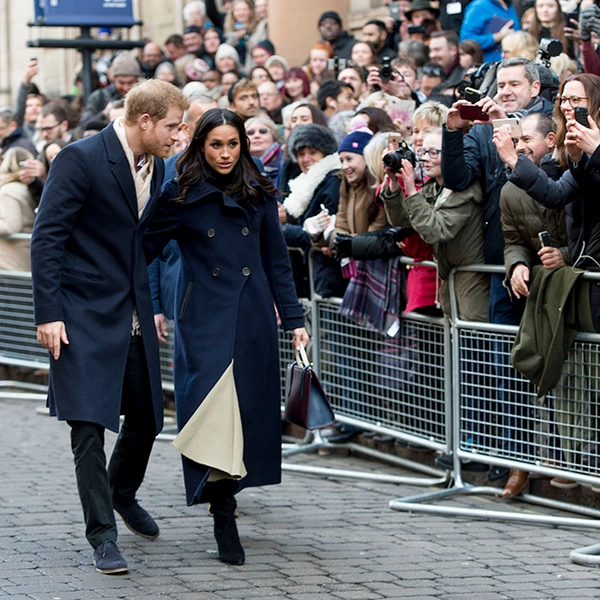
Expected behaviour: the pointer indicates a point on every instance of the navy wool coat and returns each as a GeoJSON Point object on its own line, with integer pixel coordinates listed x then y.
{"type": "Point", "coordinates": [234, 266]}
{"type": "Point", "coordinates": [89, 270]}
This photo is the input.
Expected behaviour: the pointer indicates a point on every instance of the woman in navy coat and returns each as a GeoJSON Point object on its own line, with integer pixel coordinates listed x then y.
{"type": "Point", "coordinates": [234, 268]}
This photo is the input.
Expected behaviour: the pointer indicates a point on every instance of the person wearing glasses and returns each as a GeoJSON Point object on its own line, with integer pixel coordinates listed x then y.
{"type": "Point", "coordinates": [450, 220]}
{"type": "Point", "coordinates": [265, 144]}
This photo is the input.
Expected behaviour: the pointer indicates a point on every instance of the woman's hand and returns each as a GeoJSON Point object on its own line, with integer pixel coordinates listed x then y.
{"type": "Point", "coordinates": [505, 146]}
{"type": "Point", "coordinates": [391, 178]}
{"type": "Point", "coordinates": [586, 139]}
{"type": "Point", "coordinates": [407, 173]}
{"type": "Point", "coordinates": [300, 338]}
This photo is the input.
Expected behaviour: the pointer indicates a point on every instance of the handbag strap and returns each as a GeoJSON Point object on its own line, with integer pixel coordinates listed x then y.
{"type": "Point", "coordinates": [301, 357]}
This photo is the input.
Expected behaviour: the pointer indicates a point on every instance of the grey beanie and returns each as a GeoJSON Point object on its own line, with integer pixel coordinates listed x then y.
{"type": "Point", "coordinates": [311, 136]}
{"type": "Point", "coordinates": [125, 65]}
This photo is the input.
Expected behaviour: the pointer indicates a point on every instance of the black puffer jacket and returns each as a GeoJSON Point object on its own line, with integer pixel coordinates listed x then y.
{"type": "Point", "coordinates": [466, 159]}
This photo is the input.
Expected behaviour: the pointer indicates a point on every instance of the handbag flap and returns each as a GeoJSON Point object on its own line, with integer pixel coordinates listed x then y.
{"type": "Point", "coordinates": [320, 413]}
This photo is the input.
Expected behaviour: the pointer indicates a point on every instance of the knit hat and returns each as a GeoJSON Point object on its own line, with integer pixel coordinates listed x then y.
{"type": "Point", "coordinates": [421, 5]}
{"type": "Point", "coordinates": [227, 50]}
{"type": "Point", "coordinates": [192, 29]}
{"type": "Point", "coordinates": [196, 69]}
{"type": "Point", "coordinates": [331, 14]}
{"type": "Point", "coordinates": [311, 136]}
{"type": "Point", "coordinates": [280, 60]}
{"type": "Point", "coordinates": [355, 141]}
{"type": "Point", "coordinates": [266, 45]}
{"type": "Point", "coordinates": [126, 65]}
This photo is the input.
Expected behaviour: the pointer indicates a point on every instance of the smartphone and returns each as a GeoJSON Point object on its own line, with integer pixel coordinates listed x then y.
{"type": "Point", "coordinates": [513, 125]}
{"type": "Point", "coordinates": [336, 64]}
{"type": "Point", "coordinates": [416, 29]}
{"type": "Point", "coordinates": [471, 112]}
{"type": "Point", "coordinates": [394, 139]}
{"type": "Point", "coordinates": [581, 115]}
{"type": "Point", "coordinates": [544, 237]}
{"type": "Point", "coordinates": [395, 12]}
{"type": "Point", "coordinates": [472, 95]}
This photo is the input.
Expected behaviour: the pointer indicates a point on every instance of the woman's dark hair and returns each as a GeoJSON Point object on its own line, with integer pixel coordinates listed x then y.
{"type": "Point", "coordinates": [379, 120]}
{"type": "Point", "coordinates": [192, 166]}
{"type": "Point", "coordinates": [318, 116]}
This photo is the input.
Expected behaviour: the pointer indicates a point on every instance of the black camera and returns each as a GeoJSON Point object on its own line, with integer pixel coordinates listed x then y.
{"type": "Point", "coordinates": [393, 160]}
{"type": "Point", "coordinates": [548, 49]}
{"type": "Point", "coordinates": [386, 71]}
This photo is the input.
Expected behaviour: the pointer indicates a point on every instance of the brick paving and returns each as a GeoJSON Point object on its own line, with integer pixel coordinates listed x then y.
{"type": "Point", "coordinates": [307, 539]}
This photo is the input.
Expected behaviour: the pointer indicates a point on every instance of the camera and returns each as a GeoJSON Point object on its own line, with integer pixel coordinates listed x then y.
{"type": "Point", "coordinates": [386, 71]}
{"type": "Point", "coordinates": [548, 49]}
{"type": "Point", "coordinates": [416, 30]}
{"type": "Point", "coordinates": [393, 160]}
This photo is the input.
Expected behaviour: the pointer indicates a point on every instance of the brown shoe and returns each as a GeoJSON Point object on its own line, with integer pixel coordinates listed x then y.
{"type": "Point", "coordinates": [517, 482]}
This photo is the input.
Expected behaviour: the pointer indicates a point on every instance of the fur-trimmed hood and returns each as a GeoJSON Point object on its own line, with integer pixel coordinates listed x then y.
{"type": "Point", "coordinates": [302, 188]}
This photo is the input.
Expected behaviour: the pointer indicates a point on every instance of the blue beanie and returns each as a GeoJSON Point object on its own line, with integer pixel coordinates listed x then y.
{"type": "Point", "coordinates": [355, 142]}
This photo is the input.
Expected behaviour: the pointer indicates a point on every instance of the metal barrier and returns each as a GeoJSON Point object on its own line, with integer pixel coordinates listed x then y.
{"type": "Point", "coordinates": [496, 419]}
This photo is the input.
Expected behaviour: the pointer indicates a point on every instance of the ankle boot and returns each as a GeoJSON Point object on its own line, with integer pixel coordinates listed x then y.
{"type": "Point", "coordinates": [223, 507]}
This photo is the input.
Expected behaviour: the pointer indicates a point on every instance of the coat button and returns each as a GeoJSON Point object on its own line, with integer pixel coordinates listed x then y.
{"type": "Point", "coordinates": [210, 233]}
{"type": "Point", "coordinates": [245, 271]}
{"type": "Point", "coordinates": [216, 272]}
{"type": "Point", "coordinates": [245, 231]}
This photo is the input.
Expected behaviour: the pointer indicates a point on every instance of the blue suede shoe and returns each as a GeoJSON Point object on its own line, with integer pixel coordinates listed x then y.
{"type": "Point", "coordinates": [138, 520]}
{"type": "Point", "coordinates": [109, 560]}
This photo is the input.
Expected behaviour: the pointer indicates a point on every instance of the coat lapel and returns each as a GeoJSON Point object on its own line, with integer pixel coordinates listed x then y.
{"type": "Point", "coordinates": [120, 168]}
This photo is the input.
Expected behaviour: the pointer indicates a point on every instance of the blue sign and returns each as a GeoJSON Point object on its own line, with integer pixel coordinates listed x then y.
{"type": "Point", "coordinates": [90, 13]}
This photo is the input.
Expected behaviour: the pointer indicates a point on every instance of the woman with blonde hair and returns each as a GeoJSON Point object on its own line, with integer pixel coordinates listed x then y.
{"type": "Point", "coordinates": [243, 29]}
{"type": "Point", "coordinates": [17, 211]}
{"type": "Point", "coordinates": [519, 44]}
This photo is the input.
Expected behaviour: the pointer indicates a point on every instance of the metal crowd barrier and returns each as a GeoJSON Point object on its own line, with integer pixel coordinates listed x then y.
{"type": "Point", "coordinates": [18, 337]}
{"type": "Point", "coordinates": [393, 386]}
{"type": "Point", "coordinates": [497, 420]}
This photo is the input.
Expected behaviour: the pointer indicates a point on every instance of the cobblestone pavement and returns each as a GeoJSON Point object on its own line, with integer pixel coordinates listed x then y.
{"type": "Point", "coordinates": [307, 539]}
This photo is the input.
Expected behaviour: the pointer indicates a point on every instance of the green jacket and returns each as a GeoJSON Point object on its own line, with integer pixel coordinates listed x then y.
{"type": "Point", "coordinates": [558, 306]}
{"type": "Point", "coordinates": [452, 223]}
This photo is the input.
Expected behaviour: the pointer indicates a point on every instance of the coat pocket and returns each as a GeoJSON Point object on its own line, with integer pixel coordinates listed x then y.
{"type": "Point", "coordinates": [186, 298]}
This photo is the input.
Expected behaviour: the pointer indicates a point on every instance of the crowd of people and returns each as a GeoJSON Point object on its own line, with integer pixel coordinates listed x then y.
{"type": "Point", "coordinates": [448, 132]}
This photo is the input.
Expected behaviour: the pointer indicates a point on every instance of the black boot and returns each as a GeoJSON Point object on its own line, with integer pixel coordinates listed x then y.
{"type": "Point", "coordinates": [223, 505]}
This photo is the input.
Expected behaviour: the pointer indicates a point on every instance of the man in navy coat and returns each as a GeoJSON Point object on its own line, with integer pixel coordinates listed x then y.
{"type": "Point", "coordinates": [93, 308]}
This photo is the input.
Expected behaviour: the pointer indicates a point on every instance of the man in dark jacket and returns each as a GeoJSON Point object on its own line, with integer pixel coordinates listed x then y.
{"type": "Point", "coordinates": [11, 135]}
{"type": "Point", "coordinates": [330, 28]}
{"type": "Point", "coordinates": [466, 159]}
{"type": "Point", "coordinates": [93, 308]}
{"type": "Point", "coordinates": [125, 71]}
{"type": "Point", "coordinates": [374, 31]}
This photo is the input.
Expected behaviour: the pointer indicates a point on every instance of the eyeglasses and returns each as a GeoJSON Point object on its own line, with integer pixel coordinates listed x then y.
{"type": "Point", "coordinates": [432, 152]}
{"type": "Point", "coordinates": [433, 71]}
{"type": "Point", "coordinates": [262, 131]}
{"type": "Point", "coordinates": [572, 100]}
{"type": "Point", "coordinates": [47, 129]}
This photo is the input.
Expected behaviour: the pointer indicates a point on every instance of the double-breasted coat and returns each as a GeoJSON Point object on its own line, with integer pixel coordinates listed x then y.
{"type": "Point", "coordinates": [89, 270]}
{"type": "Point", "coordinates": [234, 267]}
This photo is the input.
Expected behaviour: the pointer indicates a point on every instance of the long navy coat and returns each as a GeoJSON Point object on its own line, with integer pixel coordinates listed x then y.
{"type": "Point", "coordinates": [234, 265]}
{"type": "Point", "coordinates": [89, 270]}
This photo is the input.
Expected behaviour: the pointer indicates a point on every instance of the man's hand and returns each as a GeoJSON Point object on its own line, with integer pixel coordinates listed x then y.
{"type": "Point", "coordinates": [505, 146]}
{"type": "Point", "coordinates": [551, 257]}
{"type": "Point", "coordinates": [519, 280]}
{"type": "Point", "coordinates": [453, 118]}
{"type": "Point", "coordinates": [31, 71]}
{"type": "Point", "coordinates": [50, 335]}
{"type": "Point", "coordinates": [162, 331]}
{"type": "Point", "coordinates": [495, 111]}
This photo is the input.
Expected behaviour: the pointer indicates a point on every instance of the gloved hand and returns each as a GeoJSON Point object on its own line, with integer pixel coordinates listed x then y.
{"type": "Point", "coordinates": [594, 22]}
{"type": "Point", "coordinates": [585, 18]}
{"type": "Point", "coordinates": [342, 245]}
{"type": "Point", "coordinates": [316, 225]}
{"type": "Point", "coordinates": [397, 234]}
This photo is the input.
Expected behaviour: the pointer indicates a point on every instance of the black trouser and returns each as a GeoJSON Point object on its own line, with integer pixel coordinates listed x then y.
{"type": "Point", "coordinates": [99, 486]}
